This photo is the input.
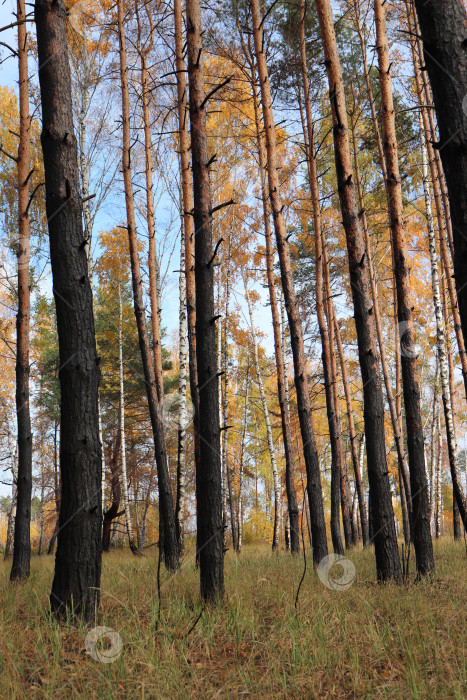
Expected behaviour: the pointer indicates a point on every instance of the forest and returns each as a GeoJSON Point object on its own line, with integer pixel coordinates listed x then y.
{"type": "Point", "coordinates": [233, 309]}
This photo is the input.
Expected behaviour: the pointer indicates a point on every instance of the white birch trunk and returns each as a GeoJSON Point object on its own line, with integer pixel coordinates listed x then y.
{"type": "Point", "coordinates": [225, 406]}
{"type": "Point", "coordinates": [434, 423]}
{"type": "Point", "coordinates": [439, 505]}
{"type": "Point", "coordinates": [221, 422]}
{"type": "Point", "coordinates": [102, 457]}
{"type": "Point", "coordinates": [182, 401]}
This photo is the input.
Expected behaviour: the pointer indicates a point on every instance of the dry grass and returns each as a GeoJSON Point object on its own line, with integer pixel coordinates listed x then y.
{"type": "Point", "coordinates": [370, 641]}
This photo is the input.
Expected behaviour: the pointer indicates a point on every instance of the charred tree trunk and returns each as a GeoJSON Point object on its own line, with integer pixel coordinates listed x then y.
{"type": "Point", "coordinates": [325, 322]}
{"type": "Point", "coordinates": [318, 526]}
{"type": "Point", "coordinates": [443, 29]}
{"type": "Point", "coordinates": [208, 475]}
{"type": "Point", "coordinates": [415, 438]}
{"type": "Point", "coordinates": [387, 556]}
{"type": "Point", "coordinates": [394, 402]}
{"type": "Point", "coordinates": [22, 540]}
{"type": "Point", "coordinates": [294, 532]}
{"type": "Point", "coordinates": [437, 178]}
{"type": "Point", "coordinates": [76, 581]}
{"type": "Point", "coordinates": [167, 515]}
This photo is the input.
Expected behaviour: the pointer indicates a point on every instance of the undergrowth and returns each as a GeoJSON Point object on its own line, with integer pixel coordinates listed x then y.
{"type": "Point", "coordinates": [369, 641]}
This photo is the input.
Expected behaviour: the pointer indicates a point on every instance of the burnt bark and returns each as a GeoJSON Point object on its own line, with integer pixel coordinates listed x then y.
{"type": "Point", "coordinates": [155, 404]}
{"type": "Point", "coordinates": [22, 540]}
{"type": "Point", "coordinates": [208, 473]}
{"type": "Point", "coordinates": [415, 439]}
{"type": "Point", "coordinates": [292, 506]}
{"type": "Point", "coordinates": [443, 29]}
{"type": "Point", "coordinates": [318, 526]}
{"type": "Point", "coordinates": [75, 587]}
{"type": "Point", "coordinates": [385, 539]}
{"type": "Point", "coordinates": [325, 320]}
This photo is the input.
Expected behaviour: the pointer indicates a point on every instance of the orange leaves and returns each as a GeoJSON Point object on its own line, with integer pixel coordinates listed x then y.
{"type": "Point", "coordinates": [113, 266]}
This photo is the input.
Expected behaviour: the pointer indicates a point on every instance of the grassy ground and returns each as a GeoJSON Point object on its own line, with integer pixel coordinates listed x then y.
{"type": "Point", "coordinates": [369, 641]}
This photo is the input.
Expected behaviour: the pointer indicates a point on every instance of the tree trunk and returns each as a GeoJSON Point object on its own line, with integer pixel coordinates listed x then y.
{"type": "Point", "coordinates": [126, 501]}
{"type": "Point", "coordinates": [358, 471]}
{"type": "Point", "coordinates": [318, 526]}
{"type": "Point", "coordinates": [76, 581]}
{"type": "Point", "coordinates": [242, 462]}
{"type": "Point", "coordinates": [456, 521]}
{"type": "Point", "coordinates": [226, 377]}
{"type": "Point", "coordinates": [182, 403]}
{"type": "Point", "coordinates": [22, 540]}
{"type": "Point", "coordinates": [85, 83]}
{"type": "Point", "coordinates": [437, 177]}
{"type": "Point", "coordinates": [387, 556]}
{"type": "Point", "coordinates": [57, 491]}
{"type": "Point", "coordinates": [438, 516]}
{"type": "Point", "coordinates": [208, 475]}
{"type": "Point", "coordinates": [113, 511]}
{"type": "Point", "coordinates": [394, 403]}
{"type": "Point", "coordinates": [101, 442]}
{"type": "Point", "coordinates": [42, 512]}
{"type": "Point", "coordinates": [13, 447]}
{"type": "Point", "coordinates": [167, 515]}
{"type": "Point", "coordinates": [264, 404]}
{"type": "Point", "coordinates": [434, 423]}
{"type": "Point", "coordinates": [153, 265]}
{"type": "Point", "coordinates": [415, 439]}
{"type": "Point", "coordinates": [221, 421]}
{"type": "Point", "coordinates": [442, 26]}
{"type": "Point", "coordinates": [441, 346]}
{"type": "Point", "coordinates": [188, 220]}
{"type": "Point", "coordinates": [278, 345]}
{"type": "Point", "coordinates": [335, 436]}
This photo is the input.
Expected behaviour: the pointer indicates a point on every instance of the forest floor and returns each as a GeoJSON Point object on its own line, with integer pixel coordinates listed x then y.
{"type": "Point", "coordinates": [369, 641]}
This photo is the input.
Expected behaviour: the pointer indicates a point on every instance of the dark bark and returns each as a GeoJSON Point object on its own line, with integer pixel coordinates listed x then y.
{"type": "Point", "coordinates": [313, 485]}
{"type": "Point", "coordinates": [294, 530]}
{"type": "Point", "coordinates": [415, 439]}
{"type": "Point", "coordinates": [113, 511]}
{"type": "Point", "coordinates": [385, 540]}
{"type": "Point", "coordinates": [166, 506]}
{"type": "Point", "coordinates": [22, 539]}
{"type": "Point", "coordinates": [443, 28]}
{"type": "Point", "coordinates": [335, 437]}
{"type": "Point", "coordinates": [75, 587]}
{"type": "Point", "coordinates": [456, 520]}
{"type": "Point", "coordinates": [208, 475]}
